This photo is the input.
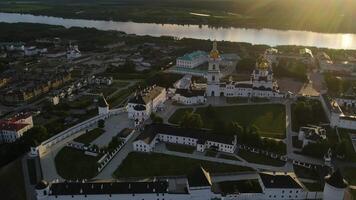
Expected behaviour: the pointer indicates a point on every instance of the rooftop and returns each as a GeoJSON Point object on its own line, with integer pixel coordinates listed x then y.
{"type": "Point", "coordinates": [147, 95]}
{"type": "Point", "coordinates": [91, 188]}
{"type": "Point", "coordinates": [278, 181]}
{"type": "Point", "coordinates": [190, 93]}
{"type": "Point", "coordinates": [202, 136]}
{"type": "Point", "coordinates": [194, 55]}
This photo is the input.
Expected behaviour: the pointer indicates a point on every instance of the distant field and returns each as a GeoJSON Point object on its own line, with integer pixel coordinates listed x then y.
{"type": "Point", "coordinates": [147, 165]}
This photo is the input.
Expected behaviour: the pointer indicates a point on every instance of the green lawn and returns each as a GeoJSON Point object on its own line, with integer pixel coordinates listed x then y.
{"type": "Point", "coordinates": [107, 90]}
{"type": "Point", "coordinates": [87, 138]}
{"type": "Point", "coordinates": [260, 159]}
{"type": "Point", "coordinates": [146, 165]}
{"type": "Point", "coordinates": [229, 157]}
{"type": "Point", "coordinates": [178, 115]}
{"type": "Point", "coordinates": [270, 119]}
{"type": "Point", "coordinates": [233, 100]}
{"type": "Point", "coordinates": [73, 164]}
{"type": "Point", "coordinates": [12, 181]}
{"type": "Point", "coordinates": [180, 148]}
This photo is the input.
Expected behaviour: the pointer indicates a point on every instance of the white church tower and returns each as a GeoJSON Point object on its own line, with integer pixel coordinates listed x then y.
{"type": "Point", "coordinates": [213, 76]}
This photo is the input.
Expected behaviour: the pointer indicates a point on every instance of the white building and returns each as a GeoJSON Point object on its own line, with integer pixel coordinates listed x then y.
{"type": "Point", "coordinates": [335, 187]}
{"type": "Point", "coordinates": [144, 103]}
{"type": "Point", "coordinates": [189, 96]}
{"type": "Point", "coordinates": [14, 128]}
{"type": "Point", "coordinates": [192, 60]}
{"type": "Point", "coordinates": [335, 115]}
{"type": "Point", "coordinates": [73, 52]}
{"type": "Point", "coordinates": [198, 138]}
{"type": "Point", "coordinates": [311, 134]}
{"type": "Point", "coordinates": [198, 185]}
{"type": "Point", "coordinates": [33, 51]}
{"type": "Point", "coordinates": [261, 83]}
{"type": "Point", "coordinates": [103, 106]}
{"type": "Point", "coordinates": [184, 83]}
{"type": "Point", "coordinates": [100, 80]}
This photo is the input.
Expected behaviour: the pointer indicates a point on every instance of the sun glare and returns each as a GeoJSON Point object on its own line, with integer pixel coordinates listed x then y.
{"type": "Point", "coordinates": [346, 40]}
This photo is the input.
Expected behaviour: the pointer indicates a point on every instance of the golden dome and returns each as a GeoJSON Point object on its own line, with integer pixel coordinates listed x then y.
{"type": "Point", "coordinates": [214, 53]}
{"type": "Point", "coordinates": [262, 63]}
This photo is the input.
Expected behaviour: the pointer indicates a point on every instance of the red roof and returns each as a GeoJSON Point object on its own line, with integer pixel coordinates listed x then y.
{"type": "Point", "coordinates": [9, 126]}
{"type": "Point", "coordinates": [19, 117]}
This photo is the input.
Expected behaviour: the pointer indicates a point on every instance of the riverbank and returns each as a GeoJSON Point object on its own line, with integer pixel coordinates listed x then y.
{"type": "Point", "coordinates": [271, 37]}
{"type": "Point", "coordinates": [274, 14]}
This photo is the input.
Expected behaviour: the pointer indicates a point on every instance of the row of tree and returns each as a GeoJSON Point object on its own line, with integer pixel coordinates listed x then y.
{"type": "Point", "coordinates": [248, 135]}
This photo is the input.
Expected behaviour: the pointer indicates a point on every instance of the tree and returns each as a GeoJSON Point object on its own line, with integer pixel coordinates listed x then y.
{"type": "Point", "coordinates": [156, 119]}
{"type": "Point", "coordinates": [340, 149]}
{"type": "Point", "coordinates": [234, 128]}
{"type": "Point", "coordinates": [191, 120]}
{"type": "Point", "coordinates": [101, 123]}
{"type": "Point", "coordinates": [113, 143]}
{"type": "Point", "coordinates": [35, 136]}
{"type": "Point", "coordinates": [246, 64]}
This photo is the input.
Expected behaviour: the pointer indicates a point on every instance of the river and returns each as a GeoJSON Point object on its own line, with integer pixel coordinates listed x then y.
{"type": "Point", "coordinates": [270, 37]}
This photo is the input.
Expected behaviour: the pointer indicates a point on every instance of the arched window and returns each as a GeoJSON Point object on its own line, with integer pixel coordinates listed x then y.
{"type": "Point", "coordinates": [213, 66]}
{"type": "Point", "coordinates": [213, 78]}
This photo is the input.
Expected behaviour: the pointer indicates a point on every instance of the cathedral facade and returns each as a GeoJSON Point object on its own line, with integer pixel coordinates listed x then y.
{"type": "Point", "coordinates": [261, 83]}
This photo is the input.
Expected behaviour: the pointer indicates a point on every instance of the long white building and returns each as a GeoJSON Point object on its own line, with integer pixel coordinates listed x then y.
{"type": "Point", "coordinates": [192, 60]}
{"type": "Point", "coordinates": [144, 103]}
{"type": "Point", "coordinates": [198, 185]}
{"type": "Point", "coordinates": [198, 138]}
{"type": "Point", "coordinates": [261, 83]}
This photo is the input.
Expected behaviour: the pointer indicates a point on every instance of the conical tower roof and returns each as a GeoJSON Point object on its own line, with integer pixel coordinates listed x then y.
{"type": "Point", "coordinates": [102, 102]}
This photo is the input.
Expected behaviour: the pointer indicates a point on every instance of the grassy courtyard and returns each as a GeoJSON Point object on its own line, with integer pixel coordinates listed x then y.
{"type": "Point", "coordinates": [90, 136]}
{"type": "Point", "coordinates": [259, 159]}
{"type": "Point", "coordinates": [270, 119]}
{"type": "Point", "coordinates": [177, 116]}
{"type": "Point", "coordinates": [73, 164]}
{"type": "Point", "coordinates": [164, 165]}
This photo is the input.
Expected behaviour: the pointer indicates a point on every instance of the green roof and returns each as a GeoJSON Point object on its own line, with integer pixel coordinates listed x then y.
{"type": "Point", "coordinates": [193, 55]}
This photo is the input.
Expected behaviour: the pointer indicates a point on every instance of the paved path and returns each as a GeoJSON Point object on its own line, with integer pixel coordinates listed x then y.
{"type": "Point", "coordinates": [47, 160]}
{"type": "Point", "coordinates": [160, 148]}
{"type": "Point", "coordinates": [118, 158]}
{"type": "Point", "coordinates": [113, 126]}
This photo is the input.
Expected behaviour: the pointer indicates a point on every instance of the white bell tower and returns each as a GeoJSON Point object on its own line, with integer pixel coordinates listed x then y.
{"type": "Point", "coordinates": [213, 76]}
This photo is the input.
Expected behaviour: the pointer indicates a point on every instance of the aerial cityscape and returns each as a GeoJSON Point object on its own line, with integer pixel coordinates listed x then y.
{"type": "Point", "coordinates": [178, 100]}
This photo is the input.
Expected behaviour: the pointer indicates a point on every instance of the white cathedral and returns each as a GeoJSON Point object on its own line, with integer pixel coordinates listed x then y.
{"type": "Point", "coordinates": [261, 83]}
